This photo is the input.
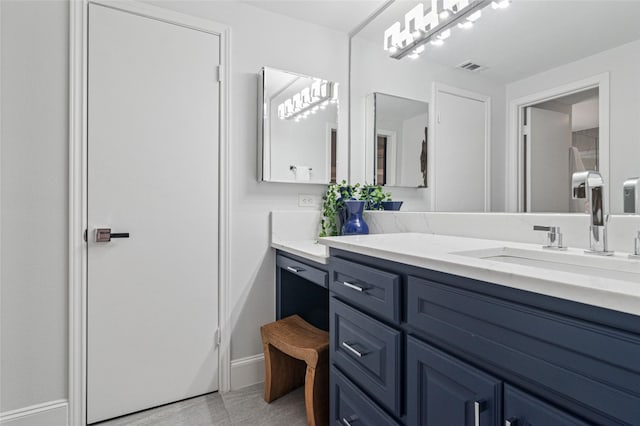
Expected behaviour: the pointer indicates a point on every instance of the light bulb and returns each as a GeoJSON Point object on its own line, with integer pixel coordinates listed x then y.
{"type": "Point", "coordinates": [445, 34]}
{"type": "Point", "coordinates": [419, 49]}
{"type": "Point", "coordinates": [414, 55]}
{"type": "Point", "coordinates": [437, 42]}
{"type": "Point", "coordinates": [445, 14]}
{"type": "Point", "coordinates": [465, 25]}
{"type": "Point", "coordinates": [393, 49]}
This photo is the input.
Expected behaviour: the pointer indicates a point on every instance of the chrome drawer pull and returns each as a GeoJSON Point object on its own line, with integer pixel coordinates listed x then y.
{"type": "Point", "coordinates": [348, 422]}
{"type": "Point", "coordinates": [478, 406]}
{"type": "Point", "coordinates": [353, 350]}
{"type": "Point", "coordinates": [353, 286]}
{"type": "Point", "coordinates": [296, 270]}
{"type": "Point", "coordinates": [511, 421]}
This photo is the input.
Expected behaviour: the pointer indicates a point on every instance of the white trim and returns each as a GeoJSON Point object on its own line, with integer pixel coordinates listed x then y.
{"type": "Point", "coordinates": [438, 88]}
{"type": "Point", "coordinates": [247, 371]}
{"type": "Point", "coordinates": [514, 179]}
{"type": "Point", "coordinates": [78, 187]}
{"type": "Point", "coordinates": [52, 413]}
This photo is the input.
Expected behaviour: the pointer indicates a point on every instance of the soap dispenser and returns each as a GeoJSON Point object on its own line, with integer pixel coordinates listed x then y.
{"type": "Point", "coordinates": [631, 191]}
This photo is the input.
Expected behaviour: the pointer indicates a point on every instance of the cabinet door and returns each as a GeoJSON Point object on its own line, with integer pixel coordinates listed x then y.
{"type": "Point", "coordinates": [523, 409]}
{"type": "Point", "coordinates": [441, 390]}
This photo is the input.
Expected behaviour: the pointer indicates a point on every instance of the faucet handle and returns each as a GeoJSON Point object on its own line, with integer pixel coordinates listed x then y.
{"type": "Point", "coordinates": [554, 237]}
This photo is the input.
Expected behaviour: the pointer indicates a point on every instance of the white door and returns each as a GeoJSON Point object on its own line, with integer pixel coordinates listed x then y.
{"type": "Point", "coordinates": [461, 153]}
{"type": "Point", "coordinates": [152, 172]}
{"type": "Point", "coordinates": [548, 136]}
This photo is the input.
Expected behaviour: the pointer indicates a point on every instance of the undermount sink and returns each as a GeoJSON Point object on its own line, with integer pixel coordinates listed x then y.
{"type": "Point", "coordinates": [616, 268]}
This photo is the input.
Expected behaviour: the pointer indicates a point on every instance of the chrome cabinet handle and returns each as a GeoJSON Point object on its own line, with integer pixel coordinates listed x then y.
{"type": "Point", "coordinates": [352, 286]}
{"type": "Point", "coordinates": [351, 419]}
{"type": "Point", "coordinates": [511, 421]}
{"type": "Point", "coordinates": [478, 406]}
{"type": "Point", "coordinates": [353, 350]}
{"type": "Point", "coordinates": [296, 270]}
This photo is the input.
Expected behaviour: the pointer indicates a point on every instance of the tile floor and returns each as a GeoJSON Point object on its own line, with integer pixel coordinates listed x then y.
{"type": "Point", "coordinates": [241, 407]}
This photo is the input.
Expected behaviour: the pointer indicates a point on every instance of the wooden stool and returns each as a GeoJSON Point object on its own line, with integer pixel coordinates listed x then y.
{"type": "Point", "coordinates": [291, 346]}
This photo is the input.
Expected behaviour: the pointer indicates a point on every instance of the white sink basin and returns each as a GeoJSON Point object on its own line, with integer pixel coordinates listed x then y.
{"type": "Point", "coordinates": [617, 268]}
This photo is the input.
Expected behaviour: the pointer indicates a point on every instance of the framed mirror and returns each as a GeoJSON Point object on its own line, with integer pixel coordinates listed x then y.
{"type": "Point", "coordinates": [570, 65]}
{"type": "Point", "coordinates": [298, 127]}
{"type": "Point", "coordinates": [397, 130]}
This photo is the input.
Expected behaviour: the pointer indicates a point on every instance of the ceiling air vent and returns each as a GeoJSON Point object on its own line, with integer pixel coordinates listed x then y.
{"type": "Point", "coordinates": [471, 66]}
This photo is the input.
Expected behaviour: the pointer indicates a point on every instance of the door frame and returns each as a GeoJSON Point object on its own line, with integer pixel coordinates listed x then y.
{"type": "Point", "coordinates": [437, 89]}
{"type": "Point", "coordinates": [514, 196]}
{"type": "Point", "coordinates": [78, 144]}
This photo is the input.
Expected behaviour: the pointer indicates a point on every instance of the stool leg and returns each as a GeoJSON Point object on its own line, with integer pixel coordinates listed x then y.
{"type": "Point", "coordinates": [316, 395]}
{"type": "Point", "coordinates": [282, 373]}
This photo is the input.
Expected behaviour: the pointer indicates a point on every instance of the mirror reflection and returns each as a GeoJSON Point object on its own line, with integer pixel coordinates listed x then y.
{"type": "Point", "coordinates": [298, 133]}
{"type": "Point", "coordinates": [561, 84]}
{"type": "Point", "coordinates": [399, 130]}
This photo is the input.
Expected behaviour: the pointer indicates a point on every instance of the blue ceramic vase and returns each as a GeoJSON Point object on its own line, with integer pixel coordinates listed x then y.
{"type": "Point", "coordinates": [355, 224]}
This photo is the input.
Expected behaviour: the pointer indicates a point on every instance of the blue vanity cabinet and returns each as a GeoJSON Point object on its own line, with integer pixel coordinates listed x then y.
{"type": "Point", "coordinates": [466, 352]}
{"type": "Point", "coordinates": [442, 390]}
{"type": "Point", "coordinates": [301, 288]}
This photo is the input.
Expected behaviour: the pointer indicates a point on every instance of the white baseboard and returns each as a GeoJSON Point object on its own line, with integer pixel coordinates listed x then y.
{"type": "Point", "coordinates": [53, 413]}
{"type": "Point", "coordinates": [247, 371]}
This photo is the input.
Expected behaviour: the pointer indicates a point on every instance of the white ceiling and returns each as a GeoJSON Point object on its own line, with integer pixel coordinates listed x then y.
{"type": "Point", "coordinates": [341, 15]}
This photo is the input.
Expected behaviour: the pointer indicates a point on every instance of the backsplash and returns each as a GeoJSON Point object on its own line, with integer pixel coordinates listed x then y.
{"type": "Point", "coordinates": [305, 225]}
{"type": "Point", "coordinates": [505, 226]}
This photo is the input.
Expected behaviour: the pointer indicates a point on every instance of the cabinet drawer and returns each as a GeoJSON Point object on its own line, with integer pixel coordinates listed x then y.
{"type": "Point", "coordinates": [371, 289]}
{"type": "Point", "coordinates": [442, 390]}
{"type": "Point", "coordinates": [523, 409]}
{"type": "Point", "coordinates": [368, 352]}
{"type": "Point", "coordinates": [351, 407]}
{"type": "Point", "coordinates": [307, 272]}
{"type": "Point", "coordinates": [575, 359]}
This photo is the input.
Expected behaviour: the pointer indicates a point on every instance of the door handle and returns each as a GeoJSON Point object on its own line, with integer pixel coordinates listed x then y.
{"type": "Point", "coordinates": [104, 235]}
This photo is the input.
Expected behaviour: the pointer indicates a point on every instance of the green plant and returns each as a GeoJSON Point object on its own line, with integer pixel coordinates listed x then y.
{"type": "Point", "coordinates": [332, 205]}
{"type": "Point", "coordinates": [374, 196]}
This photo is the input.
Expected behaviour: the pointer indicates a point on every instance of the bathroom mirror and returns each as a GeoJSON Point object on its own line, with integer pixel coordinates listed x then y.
{"type": "Point", "coordinates": [298, 127]}
{"type": "Point", "coordinates": [397, 130]}
{"type": "Point", "coordinates": [526, 60]}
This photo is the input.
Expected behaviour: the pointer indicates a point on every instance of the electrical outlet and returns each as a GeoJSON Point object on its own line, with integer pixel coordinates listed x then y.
{"type": "Point", "coordinates": [309, 200]}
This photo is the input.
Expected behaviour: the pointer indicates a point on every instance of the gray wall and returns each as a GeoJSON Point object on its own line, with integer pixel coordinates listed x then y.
{"type": "Point", "coordinates": [34, 139]}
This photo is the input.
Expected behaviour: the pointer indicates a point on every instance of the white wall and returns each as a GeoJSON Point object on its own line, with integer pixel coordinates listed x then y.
{"type": "Point", "coordinates": [34, 138]}
{"type": "Point", "coordinates": [258, 39]}
{"type": "Point", "coordinates": [623, 65]}
{"type": "Point", "coordinates": [374, 71]}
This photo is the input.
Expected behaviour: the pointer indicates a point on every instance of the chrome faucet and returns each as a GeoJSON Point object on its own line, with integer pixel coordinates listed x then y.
{"type": "Point", "coordinates": [589, 185]}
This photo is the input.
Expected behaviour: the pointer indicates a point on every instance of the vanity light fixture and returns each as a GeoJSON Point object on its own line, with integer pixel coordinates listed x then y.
{"type": "Point", "coordinates": [309, 100]}
{"type": "Point", "coordinates": [434, 26]}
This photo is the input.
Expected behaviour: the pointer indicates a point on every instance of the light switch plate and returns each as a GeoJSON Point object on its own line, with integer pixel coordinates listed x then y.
{"type": "Point", "coordinates": [309, 200]}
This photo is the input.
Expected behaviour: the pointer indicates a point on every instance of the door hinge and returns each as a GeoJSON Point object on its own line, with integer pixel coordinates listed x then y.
{"type": "Point", "coordinates": [525, 130]}
{"type": "Point", "coordinates": [438, 118]}
{"type": "Point", "coordinates": [219, 75]}
{"type": "Point", "coordinates": [216, 338]}
{"type": "Point", "coordinates": [85, 235]}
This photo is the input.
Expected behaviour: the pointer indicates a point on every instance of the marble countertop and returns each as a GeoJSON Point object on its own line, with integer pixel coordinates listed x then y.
{"type": "Point", "coordinates": [439, 253]}
{"type": "Point", "coordinates": [308, 249]}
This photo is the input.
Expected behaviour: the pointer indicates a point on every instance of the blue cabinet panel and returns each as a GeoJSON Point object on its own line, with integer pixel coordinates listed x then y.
{"type": "Point", "coordinates": [523, 409]}
{"type": "Point", "coordinates": [376, 291]}
{"type": "Point", "coordinates": [349, 406]}
{"type": "Point", "coordinates": [442, 390]}
{"type": "Point", "coordinates": [368, 352]}
{"type": "Point", "coordinates": [585, 362]}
